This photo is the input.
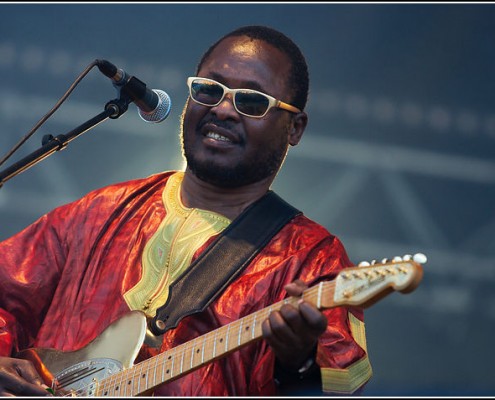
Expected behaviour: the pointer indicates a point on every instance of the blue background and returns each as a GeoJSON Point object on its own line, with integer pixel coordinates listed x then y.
{"type": "Point", "coordinates": [398, 156]}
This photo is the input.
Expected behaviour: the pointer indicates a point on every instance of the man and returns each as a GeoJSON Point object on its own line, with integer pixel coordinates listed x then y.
{"type": "Point", "coordinates": [84, 265]}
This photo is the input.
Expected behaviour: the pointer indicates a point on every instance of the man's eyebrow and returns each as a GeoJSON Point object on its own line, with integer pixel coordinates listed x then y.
{"type": "Point", "coordinates": [245, 84]}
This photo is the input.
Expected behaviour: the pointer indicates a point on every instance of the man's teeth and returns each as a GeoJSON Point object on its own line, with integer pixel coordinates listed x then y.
{"type": "Point", "coordinates": [216, 136]}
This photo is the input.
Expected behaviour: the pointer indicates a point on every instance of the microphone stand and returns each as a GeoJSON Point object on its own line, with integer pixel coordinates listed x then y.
{"type": "Point", "coordinates": [113, 109]}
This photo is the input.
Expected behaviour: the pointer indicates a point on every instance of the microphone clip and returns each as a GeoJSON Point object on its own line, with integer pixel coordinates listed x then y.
{"type": "Point", "coordinates": [118, 106]}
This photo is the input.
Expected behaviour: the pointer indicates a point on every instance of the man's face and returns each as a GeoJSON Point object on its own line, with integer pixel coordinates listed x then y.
{"type": "Point", "coordinates": [228, 149]}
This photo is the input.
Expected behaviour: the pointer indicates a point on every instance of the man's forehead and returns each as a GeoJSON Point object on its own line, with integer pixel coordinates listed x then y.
{"type": "Point", "coordinates": [244, 46]}
{"type": "Point", "coordinates": [245, 59]}
{"type": "Point", "coordinates": [241, 46]}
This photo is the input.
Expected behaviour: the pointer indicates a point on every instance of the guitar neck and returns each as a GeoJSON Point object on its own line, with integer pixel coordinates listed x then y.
{"type": "Point", "coordinates": [179, 361]}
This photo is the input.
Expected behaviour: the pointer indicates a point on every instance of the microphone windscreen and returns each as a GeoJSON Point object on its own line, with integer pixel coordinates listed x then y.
{"type": "Point", "coordinates": [161, 111]}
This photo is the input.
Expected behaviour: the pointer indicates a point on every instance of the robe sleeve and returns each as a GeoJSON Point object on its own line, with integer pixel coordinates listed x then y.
{"type": "Point", "coordinates": [341, 354]}
{"type": "Point", "coordinates": [7, 333]}
{"type": "Point", "coordinates": [30, 264]}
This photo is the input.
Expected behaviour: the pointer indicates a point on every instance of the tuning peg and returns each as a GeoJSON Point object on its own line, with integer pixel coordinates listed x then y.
{"type": "Point", "coordinates": [364, 264]}
{"type": "Point", "coordinates": [384, 260]}
{"type": "Point", "coordinates": [420, 258]}
{"type": "Point", "coordinates": [373, 262]}
{"type": "Point", "coordinates": [407, 257]}
{"type": "Point", "coordinates": [397, 259]}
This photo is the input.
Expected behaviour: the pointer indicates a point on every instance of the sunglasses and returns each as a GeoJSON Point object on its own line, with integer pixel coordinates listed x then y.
{"type": "Point", "coordinates": [246, 101]}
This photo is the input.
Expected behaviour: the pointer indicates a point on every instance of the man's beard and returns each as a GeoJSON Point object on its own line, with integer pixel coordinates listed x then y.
{"type": "Point", "coordinates": [243, 173]}
{"type": "Point", "coordinates": [238, 175]}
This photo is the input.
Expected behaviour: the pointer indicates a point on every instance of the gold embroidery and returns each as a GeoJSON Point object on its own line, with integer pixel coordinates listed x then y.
{"type": "Point", "coordinates": [348, 380]}
{"type": "Point", "coordinates": [170, 251]}
{"type": "Point", "coordinates": [358, 331]}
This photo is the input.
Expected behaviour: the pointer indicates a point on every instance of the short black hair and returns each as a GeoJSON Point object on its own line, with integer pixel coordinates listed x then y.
{"type": "Point", "coordinates": [299, 76]}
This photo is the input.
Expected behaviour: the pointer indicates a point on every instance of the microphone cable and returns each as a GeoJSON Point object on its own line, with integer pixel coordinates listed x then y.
{"type": "Point", "coordinates": [50, 113]}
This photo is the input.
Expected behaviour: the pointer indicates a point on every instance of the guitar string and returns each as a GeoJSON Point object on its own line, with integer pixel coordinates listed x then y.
{"type": "Point", "coordinates": [115, 381]}
{"type": "Point", "coordinates": [188, 352]}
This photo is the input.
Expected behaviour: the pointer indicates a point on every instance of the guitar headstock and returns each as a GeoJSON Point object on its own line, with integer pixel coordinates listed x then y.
{"type": "Point", "coordinates": [366, 284]}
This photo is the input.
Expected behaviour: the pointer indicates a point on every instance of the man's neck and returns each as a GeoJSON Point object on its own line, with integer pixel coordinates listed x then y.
{"type": "Point", "coordinates": [196, 193]}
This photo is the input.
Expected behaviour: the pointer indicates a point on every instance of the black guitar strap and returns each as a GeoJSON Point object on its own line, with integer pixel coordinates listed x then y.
{"type": "Point", "coordinates": [223, 260]}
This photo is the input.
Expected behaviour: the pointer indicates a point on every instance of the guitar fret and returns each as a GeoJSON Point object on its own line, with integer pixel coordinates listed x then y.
{"type": "Point", "coordinates": [182, 359]}
{"type": "Point", "coordinates": [123, 383]}
{"type": "Point", "coordinates": [320, 288]}
{"type": "Point", "coordinates": [254, 324]}
{"type": "Point", "coordinates": [118, 386]}
{"type": "Point", "coordinates": [113, 384]}
{"type": "Point", "coordinates": [145, 375]}
{"type": "Point", "coordinates": [203, 350]}
{"type": "Point", "coordinates": [227, 339]}
{"type": "Point", "coordinates": [102, 387]}
{"type": "Point", "coordinates": [170, 359]}
{"type": "Point", "coordinates": [239, 335]}
{"type": "Point", "coordinates": [139, 380]}
{"type": "Point", "coordinates": [154, 371]}
{"type": "Point", "coordinates": [192, 352]}
{"type": "Point", "coordinates": [215, 344]}
{"type": "Point", "coordinates": [172, 367]}
{"type": "Point", "coordinates": [163, 366]}
{"type": "Point", "coordinates": [131, 384]}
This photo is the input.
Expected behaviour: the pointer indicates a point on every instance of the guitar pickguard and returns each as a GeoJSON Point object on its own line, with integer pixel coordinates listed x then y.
{"type": "Point", "coordinates": [78, 372]}
{"type": "Point", "coordinates": [81, 379]}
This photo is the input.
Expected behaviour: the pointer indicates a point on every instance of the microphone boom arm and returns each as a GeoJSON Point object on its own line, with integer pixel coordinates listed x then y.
{"type": "Point", "coordinates": [113, 109]}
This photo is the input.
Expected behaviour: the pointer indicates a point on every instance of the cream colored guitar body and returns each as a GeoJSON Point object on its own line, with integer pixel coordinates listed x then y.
{"type": "Point", "coordinates": [78, 372]}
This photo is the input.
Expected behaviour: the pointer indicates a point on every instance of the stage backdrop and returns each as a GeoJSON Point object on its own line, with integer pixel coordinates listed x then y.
{"type": "Point", "coordinates": [398, 156]}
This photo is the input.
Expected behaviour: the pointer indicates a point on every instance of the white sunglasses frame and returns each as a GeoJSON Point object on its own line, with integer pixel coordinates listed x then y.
{"type": "Point", "coordinates": [272, 101]}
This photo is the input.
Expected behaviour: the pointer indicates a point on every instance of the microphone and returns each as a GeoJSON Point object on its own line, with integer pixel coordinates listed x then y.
{"type": "Point", "coordinates": [153, 104]}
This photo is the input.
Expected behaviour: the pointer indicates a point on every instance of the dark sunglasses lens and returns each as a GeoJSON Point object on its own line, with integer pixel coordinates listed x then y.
{"type": "Point", "coordinates": [251, 103]}
{"type": "Point", "coordinates": [206, 92]}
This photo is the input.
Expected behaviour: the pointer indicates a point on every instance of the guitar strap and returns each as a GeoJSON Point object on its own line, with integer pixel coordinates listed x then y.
{"type": "Point", "coordinates": [210, 274]}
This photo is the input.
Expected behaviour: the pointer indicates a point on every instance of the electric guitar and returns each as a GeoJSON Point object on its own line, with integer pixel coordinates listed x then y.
{"type": "Point", "coordinates": [105, 366]}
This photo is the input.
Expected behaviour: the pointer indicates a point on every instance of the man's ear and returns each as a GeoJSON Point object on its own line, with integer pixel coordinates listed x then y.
{"type": "Point", "coordinates": [298, 125]}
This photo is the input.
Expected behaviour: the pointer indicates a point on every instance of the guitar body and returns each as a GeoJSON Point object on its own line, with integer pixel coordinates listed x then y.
{"type": "Point", "coordinates": [75, 372]}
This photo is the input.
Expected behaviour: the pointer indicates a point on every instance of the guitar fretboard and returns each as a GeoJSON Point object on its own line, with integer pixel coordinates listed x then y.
{"type": "Point", "coordinates": [182, 359]}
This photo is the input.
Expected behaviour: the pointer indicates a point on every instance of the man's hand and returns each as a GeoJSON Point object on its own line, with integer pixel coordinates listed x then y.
{"type": "Point", "coordinates": [20, 378]}
{"type": "Point", "coordinates": [293, 332]}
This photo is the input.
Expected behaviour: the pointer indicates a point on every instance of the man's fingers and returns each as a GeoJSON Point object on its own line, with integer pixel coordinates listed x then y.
{"type": "Point", "coordinates": [20, 378]}
{"type": "Point", "coordinates": [284, 323]}
{"type": "Point", "coordinates": [295, 288]}
{"type": "Point", "coordinates": [17, 386]}
{"type": "Point", "coordinates": [314, 317]}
